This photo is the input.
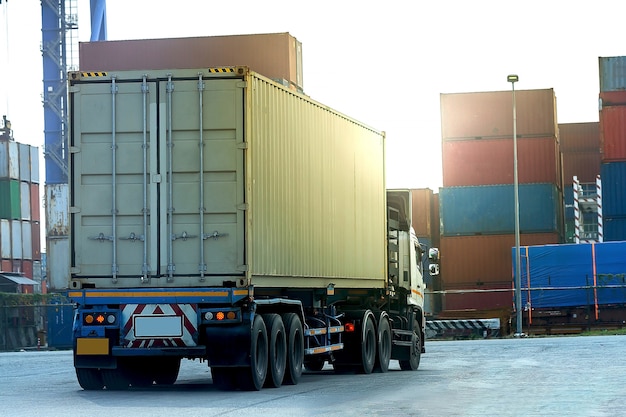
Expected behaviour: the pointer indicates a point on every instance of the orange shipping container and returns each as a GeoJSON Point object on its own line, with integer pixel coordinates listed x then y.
{"type": "Point", "coordinates": [490, 114]}
{"type": "Point", "coordinates": [484, 260]}
{"type": "Point", "coordinates": [35, 203]}
{"type": "Point", "coordinates": [422, 215]}
{"type": "Point", "coordinates": [613, 133]}
{"type": "Point", "coordinates": [275, 55]}
{"type": "Point", "coordinates": [473, 162]}
{"type": "Point", "coordinates": [579, 137]}
{"type": "Point", "coordinates": [584, 165]}
{"type": "Point", "coordinates": [36, 240]}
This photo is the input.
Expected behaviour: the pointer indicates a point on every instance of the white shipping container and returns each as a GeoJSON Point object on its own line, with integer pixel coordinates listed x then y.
{"type": "Point", "coordinates": [5, 239]}
{"type": "Point", "coordinates": [34, 164]}
{"type": "Point", "coordinates": [16, 239]}
{"type": "Point", "coordinates": [27, 240]}
{"type": "Point", "coordinates": [9, 160]}
{"type": "Point", "coordinates": [57, 210]}
{"type": "Point", "coordinates": [25, 200]}
{"type": "Point", "coordinates": [58, 263]}
{"type": "Point", "coordinates": [24, 157]}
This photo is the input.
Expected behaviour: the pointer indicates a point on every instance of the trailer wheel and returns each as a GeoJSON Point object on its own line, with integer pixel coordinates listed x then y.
{"type": "Point", "coordinates": [384, 345]}
{"type": "Point", "coordinates": [224, 378]}
{"type": "Point", "coordinates": [115, 379]}
{"type": "Point", "coordinates": [295, 348]}
{"type": "Point", "coordinates": [368, 344]}
{"type": "Point", "coordinates": [253, 377]}
{"type": "Point", "coordinates": [415, 351]}
{"type": "Point", "coordinates": [89, 379]}
{"type": "Point", "coordinates": [314, 365]}
{"type": "Point", "coordinates": [167, 372]}
{"type": "Point", "coordinates": [277, 360]}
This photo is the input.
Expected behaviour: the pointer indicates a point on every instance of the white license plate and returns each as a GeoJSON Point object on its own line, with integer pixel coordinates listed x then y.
{"type": "Point", "coordinates": [158, 326]}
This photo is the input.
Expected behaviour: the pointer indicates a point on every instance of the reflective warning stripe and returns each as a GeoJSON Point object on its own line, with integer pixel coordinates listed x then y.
{"type": "Point", "coordinates": [221, 70]}
{"type": "Point", "coordinates": [187, 313]}
{"type": "Point", "coordinates": [93, 74]}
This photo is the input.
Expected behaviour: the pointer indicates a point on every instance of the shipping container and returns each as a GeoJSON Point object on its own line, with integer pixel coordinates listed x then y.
{"type": "Point", "coordinates": [9, 160]}
{"type": "Point", "coordinates": [10, 199]}
{"type": "Point", "coordinates": [5, 239]}
{"type": "Point", "coordinates": [27, 268]}
{"type": "Point", "coordinates": [262, 145]}
{"type": "Point", "coordinates": [24, 161]}
{"type": "Point", "coordinates": [16, 265]}
{"type": "Point", "coordinates": [16, 239]}
{"type": "Point", "coordinates": [58, 264]}
{"type": "Point", "coordinates": [612, 98]}
{"type": "Point", "coordinates": [36, 240]}
{"type": "Point", "coordinates": [565, 275]}
{"type": "Point", "coordinates": [423, 212]}
{"type": "Point", "coordinates": [584, 165]}
{"type": "Point", "coordinates": [613, 133]}
{"type": "Point", "coordinates": [474, 162]}
{"type": "Point", "coordinates": [6, 265]}
{"type": "Point", "coordinates": [614, 229]}
{"type": "Point", "coordinates": [479, 298]}
{"type": "Point", "coordinates": [613, 177]}
{"type": "Point", "coordinates": [436, 228]}
{"type": "Point", "coordinates": [579, 137]}
{"type": "Point", "coordinates": [472, 261]}
{"type": "Point", "coordinates": [27, 240]}
{"type": "Point", "coordinates": [25, 207]}
{"type": "Point", "coordinates": [275, 55]}
{"type": "Point", "coordinates": [612, 73]}
{"type": "Point", "coordinates": [490, 114]}
{"type": "Point", "coordinates": [35, 203]}
{"type": "Point", "coordinates": [57, 210]}
{"type": "Point", "coordinates": [34, 164]}
{"type": "Point", "coordinates": [490, 209]}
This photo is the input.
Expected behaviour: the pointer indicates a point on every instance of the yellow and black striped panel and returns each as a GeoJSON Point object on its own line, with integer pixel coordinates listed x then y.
{"type": "Point", "coordinates": [221, 70]}
{"type": "Point", "coordinates": [93, 74]}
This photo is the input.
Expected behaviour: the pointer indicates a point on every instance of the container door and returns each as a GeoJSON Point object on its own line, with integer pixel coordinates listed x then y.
{"type": "Point", "coordinates": [202, 195]}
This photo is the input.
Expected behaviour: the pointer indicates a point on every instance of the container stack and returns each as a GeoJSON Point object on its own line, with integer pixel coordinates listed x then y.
{"type": "Point", "coordinates": [580, 153]}
{"type": "Point", "coordinates": [477, 207]}
{"type": "Point", "coordinates": [613, 146]}
{"type": "Point", "coordinates": [425, 215]}
{"type": "Point", "coordinates": [20, 242]}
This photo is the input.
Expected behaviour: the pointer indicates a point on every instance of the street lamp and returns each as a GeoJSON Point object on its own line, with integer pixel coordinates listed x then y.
{"type": "Point", "coordinates": [518, 268]}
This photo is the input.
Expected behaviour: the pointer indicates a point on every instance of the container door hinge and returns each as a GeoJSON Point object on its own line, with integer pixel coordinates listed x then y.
{"type": "Point", "coordinates": [242, 268]}
{"type": "Point", "coordinates": [242, 206]}
{"type": "Point", "coordinates": [242, 145]}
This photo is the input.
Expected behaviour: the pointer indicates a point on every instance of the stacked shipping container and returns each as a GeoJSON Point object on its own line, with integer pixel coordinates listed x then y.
{"type": "Point", "coordinates": [20, 242]}
{"type": "Point", "coordinates": [477, 198]}
{"type": "Point", "coordinates": [580, 153]}
{"type": "Point", "coordinates": [613, 145]}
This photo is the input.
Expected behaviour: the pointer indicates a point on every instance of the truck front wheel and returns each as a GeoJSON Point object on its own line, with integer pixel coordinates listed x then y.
{"type": "Point", "coordinates": [253, 377]}
{"type": "Point", "coordinates": [415, 351]}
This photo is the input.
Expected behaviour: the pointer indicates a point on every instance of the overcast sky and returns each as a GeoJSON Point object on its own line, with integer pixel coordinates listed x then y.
{"type": "Point", "coordinates": [384, 63]}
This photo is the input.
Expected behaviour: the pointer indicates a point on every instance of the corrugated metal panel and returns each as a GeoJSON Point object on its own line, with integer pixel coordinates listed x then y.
{"type": "Point", "coordinates": [275, 55]}
{"type": "Point", "coordinates": [614, 189]}
{"type": "Point", "coordinates": [479, 298]}
{"type": "Point", "coordinates": [472, 261]}
{"type": "Point", "coordinates": [5, 239]}
{"type": "Point", "coordinates": [10, 203]}
{"type": "Point", "coordinates": [490, 161]}
{"type": "Point", "coordinates": [612, 73]}
{"type": "Point", "coordinates": [24, 155]}
{"type": "Point", "coordinates": [490, 209]}
{"type": "Point", "coordinates": [614, 229]}
{"type": "Point", "coordinates": [25, 207]}
{"type": "Point", "coordinates": [490, 114]}
{"type": "Point", "coordinates": [422, 216]}
{"type": "Point", "coordinates": [584, 165]}
{"type": "Point", "coordinates": [36, 240]}
{"type": "Point", "coordinates": [57, 210]}
{"type": "Point", "coordinates": [34, 164]}
{"type": "Point", "coordinates": [27, 240]}
{"type": "Point", "coordinates": [313, 178]}
{"type": "Point", "coordinates": [9, 160]}
{"type": "Point", "coordinates": [579, 137]}
{"type": "Point", "coordinates": [613, 133]}
{"type": "Point", "coordinates": [612, 98]}
{"type": "Point", "coordinates": [16, 239]}
{"type": "Point", "coordinates": [35, 203]}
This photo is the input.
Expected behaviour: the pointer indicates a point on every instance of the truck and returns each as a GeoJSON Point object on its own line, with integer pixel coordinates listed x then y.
{"type": "Point", "coordinates": [219, 216]}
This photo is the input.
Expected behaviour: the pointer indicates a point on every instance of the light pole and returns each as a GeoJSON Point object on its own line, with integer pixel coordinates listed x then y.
{"type": "Point", "coordinates": [518, 267]}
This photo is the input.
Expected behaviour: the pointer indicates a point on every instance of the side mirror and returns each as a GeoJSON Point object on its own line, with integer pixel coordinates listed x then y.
{"type": "Point", "coordinates": [433, 254]}
{"type": "Point", "coordinates": [434, 269]}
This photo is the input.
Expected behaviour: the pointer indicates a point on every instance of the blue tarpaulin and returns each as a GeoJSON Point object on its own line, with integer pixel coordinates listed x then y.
{"type": "Point", "coordinates": [570, 275]}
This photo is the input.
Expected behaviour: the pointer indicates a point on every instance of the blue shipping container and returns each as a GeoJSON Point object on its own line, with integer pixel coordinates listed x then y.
{"type": "Point", "coordinates": [612, 73]}
{"type": "Point", "coordinates": [554, 276]}
{"type": "Point", "coordinates": [613, 175]}
{"type": "Point", "coordinates": [490, 209]}
{"type": "Point", "coordinates": [614, 229]}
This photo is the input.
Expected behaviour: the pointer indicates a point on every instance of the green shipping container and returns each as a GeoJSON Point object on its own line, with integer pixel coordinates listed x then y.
{"type": "Point", "coordinates": [10, 199]}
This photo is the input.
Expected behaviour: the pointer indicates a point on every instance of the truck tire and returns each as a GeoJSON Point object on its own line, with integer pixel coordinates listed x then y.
{"type": "Point", "coordinates": [368, 344]}
{"type": "Point", "coordinates": [252, 378]}
{"type": "Point", "coordinates": [167, 371]}
{"type": "Point", "coordinates": [277, 359]}
{"type": "Point", "coordinates": [415, 351]}
{"type": "Point", "coordinates": [384, 345]}
{"type": "Point", "coordinates": [295, 348]}
{"type": "Point", "coordinates": [115, 379]}
{"type": "Point", "coordinates": [89, 379]}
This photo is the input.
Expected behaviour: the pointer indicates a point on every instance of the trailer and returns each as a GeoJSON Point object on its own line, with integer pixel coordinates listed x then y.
{"type": "Point", "coordinates": [220, 216]}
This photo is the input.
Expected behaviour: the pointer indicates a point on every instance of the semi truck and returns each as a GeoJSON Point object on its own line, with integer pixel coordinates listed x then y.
{"type": "Point", "coordinates": [219, 216]}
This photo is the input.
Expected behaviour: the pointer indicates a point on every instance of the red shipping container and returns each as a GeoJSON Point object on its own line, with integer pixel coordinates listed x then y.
{"type": "Point", "coordinates": [6, 265]}
{"type": "Point", "coordinates": [27, 268]}
{"type": "Point", "coordinates": [579, 137]}
{"type": "Point", "coordinates": [613, 98]}
{"type": "Point", "coordinates": [36, 240]}
{"type": "Point", "coordinates": [484, 260]}
{"type": "Point", "coordinates": [436, 222]}
{"type": "Point", "coordinates": [613, 133]}
{"type": "Point", "coordinates": [35, 203]}
{"type": "Point", "coordinates": [474, 162]}
{"type": "Point", "coordinates": [479, 298]}
{"type": "Point", "coordinates": [490, 114]}
{"type": "Point", "coordinates": [584, 165]}
{"type": "Point", "coordinates": [422, 212]}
